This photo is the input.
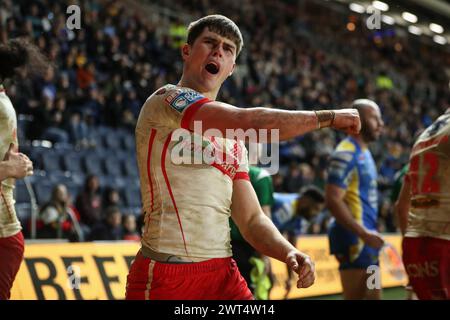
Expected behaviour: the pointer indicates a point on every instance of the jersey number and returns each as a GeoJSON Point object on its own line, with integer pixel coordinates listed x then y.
{"type": "Point", "coordinates": [429, 164]}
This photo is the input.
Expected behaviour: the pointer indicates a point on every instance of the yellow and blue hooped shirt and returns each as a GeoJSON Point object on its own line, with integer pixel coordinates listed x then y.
{"type": "Point", "coordinates": [353, 169]}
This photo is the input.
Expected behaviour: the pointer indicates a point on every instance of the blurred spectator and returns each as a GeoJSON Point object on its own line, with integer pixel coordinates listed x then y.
{"type": "Point", "coordinates": [111, 228]}
{"type": "Point", "coordinates": [293, 179]}
{"type": "Point", "coordinates": [85, 74]}
{"type": "Point", "coordinates": [78, 131]}
{"type": "Point", "coordinates": [111, 198]}
{"type": "Point", "coordinates": [59, 218]}
{"type": "Point", "coordinates": [130, 228]}
{"type": "Point", "coordinates": [278, 182]}
{"type": "Point", "coordinates": [114, 109]}
{"type": "Point", "coordinates": [89, 203]}
{"type": "Point", "coordinates": [56, 130]}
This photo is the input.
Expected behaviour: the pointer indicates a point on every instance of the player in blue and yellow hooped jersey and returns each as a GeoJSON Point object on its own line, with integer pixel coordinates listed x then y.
{"type": "Point", "coordinates": [352, 198]}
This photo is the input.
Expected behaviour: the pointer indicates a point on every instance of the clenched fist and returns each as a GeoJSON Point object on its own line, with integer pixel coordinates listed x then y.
{"type": "Point", "coordinates": [19, 165]}
{"type": "Point", "coordinates": [347, 120]}
{"type": "Point", "coordinates": [302, 264]}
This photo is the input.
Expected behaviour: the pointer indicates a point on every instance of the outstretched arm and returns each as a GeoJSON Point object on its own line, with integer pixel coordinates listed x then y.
{"type": "Point", "coordinates": [222, 116]}
{"type": "Point", "coordinates": [258, 230]}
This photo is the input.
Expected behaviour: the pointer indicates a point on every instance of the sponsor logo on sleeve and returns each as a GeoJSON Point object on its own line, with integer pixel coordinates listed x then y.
{"type": "Point", "coordinates": [181, 99]}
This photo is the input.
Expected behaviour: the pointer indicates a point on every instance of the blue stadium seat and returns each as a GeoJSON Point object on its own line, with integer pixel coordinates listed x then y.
{"type": "Point", "coordinates": [97, 138]}
{"type": "Point", "coordinates": [93, 164]}
{"type": "Point", "coordinates": [112, 166]}
{"type": "Point", "coordinates": [132, 182]}
{"type": "Point", "coordinates": [25, 148]}
{"type": "Point", "coordinates": [51, 161]}
{"type": "Point", "coordinates": [130, 166]}
{"type": "Point", "coordinates": [78, 178]}
{"type": "Point", "coordinates": [72, 162]}
{"type": "Point", "coordinates": [120, 182]}
{"type": "Point", "coordinates": [57, 177]}
{"type": "Point", "coordinates": [73, 190]}
{"type": "Point", "coordinates": [62, 148]}
{"type": "Point", "coordinates": [21, 192]}
{"type": "Point", "coordinates": [136, 211]}
{"type": "Point", "coordinates": [23, 212]}
{"type": "Point", "coordinates": [23, 123]}
{"type": "Point", "coordinates": [106, 181]}
{"type": "Point", "coordinates": [129, 143]}
{"type": "Point", "coordinates": [43, 190]}
{"type": "Point", "coordinates": [112, 141]}
{"type": "Point", "coordinates": [103, 130]}
{"type": "Point", "coordinates": [36, 153]}
{"type": "Point", "coordinates": [132, 196]}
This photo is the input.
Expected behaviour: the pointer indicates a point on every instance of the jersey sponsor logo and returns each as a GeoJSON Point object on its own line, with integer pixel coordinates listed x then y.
{"type": "Point", "coordinates": [210, 151]}
{"type": "Point", "coordinates": [172, 95]}
{"type": "Point", "coordinates": [181, 99]}
{"type": "Point", "coordinates": [427, 269]}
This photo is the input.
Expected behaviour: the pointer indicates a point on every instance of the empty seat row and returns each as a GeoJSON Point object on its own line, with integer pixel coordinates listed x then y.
{"type": "Point", "coordinates": [90, 163]}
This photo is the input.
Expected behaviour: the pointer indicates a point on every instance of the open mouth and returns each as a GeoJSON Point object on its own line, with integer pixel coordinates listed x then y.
{"type": "Point", "coordinates": [212, 68]}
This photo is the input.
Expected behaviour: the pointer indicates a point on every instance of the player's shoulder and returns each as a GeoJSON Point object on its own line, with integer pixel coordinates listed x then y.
{"type": "Point", "coordinates": [346, 151]}
{"type": "Point", "coordinates": [346, 145]}
{"type": "Point", "coordinates": [176, 97]}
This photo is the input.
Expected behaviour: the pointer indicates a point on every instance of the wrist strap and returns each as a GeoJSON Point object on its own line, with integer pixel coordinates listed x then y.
{"type": "Point", "coordinates": [325, 118]}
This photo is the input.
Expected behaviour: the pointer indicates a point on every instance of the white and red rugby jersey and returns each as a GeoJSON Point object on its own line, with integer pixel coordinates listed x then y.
{"type": "Point", "coordinates": [429, 175]}
{"type": "Point", "coordinates": [186, 204]}
{"type": "Point", "coordinates": [9, 224]}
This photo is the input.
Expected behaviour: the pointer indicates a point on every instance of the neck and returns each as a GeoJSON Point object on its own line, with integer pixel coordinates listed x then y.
{"type": "Point", "coordinates": [192, 84]}
{"type": "Point", "coordinates": [363, 144]}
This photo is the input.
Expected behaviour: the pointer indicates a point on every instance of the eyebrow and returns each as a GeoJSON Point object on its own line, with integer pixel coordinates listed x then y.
{"type": "Point", "coordinates": [228, 45]}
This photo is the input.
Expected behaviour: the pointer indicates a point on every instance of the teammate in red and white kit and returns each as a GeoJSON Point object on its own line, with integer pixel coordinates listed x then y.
{"type": "Point", "coordinates": [14, 54]}
{"type": "Point", "coordinates": [424, 212]}
{"type": "Point", "coordinates": [186, 252]}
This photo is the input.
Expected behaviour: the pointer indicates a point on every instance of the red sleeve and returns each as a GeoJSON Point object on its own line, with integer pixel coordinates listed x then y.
{"type": "Point", "coordinates": [190, 112]}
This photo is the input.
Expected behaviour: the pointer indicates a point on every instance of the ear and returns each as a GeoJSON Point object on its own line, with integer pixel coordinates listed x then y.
{"type": "Point", "coordinates": [185, 51]}
{"type": "Point", "coordinates": [232, 69]}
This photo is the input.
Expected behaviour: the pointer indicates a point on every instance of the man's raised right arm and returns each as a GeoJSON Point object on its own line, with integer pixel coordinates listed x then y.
{"type": "Point", "coordinates": [222, 116]}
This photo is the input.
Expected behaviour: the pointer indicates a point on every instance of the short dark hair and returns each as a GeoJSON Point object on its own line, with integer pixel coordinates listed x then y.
{"type": "Point", "coordinates": [219, 24]}
{"type": "Point", "coordinates": [314, 193]}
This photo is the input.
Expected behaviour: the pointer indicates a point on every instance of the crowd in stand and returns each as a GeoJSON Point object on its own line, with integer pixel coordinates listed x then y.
{"type": "Point", "coordinates": [294, 57]}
